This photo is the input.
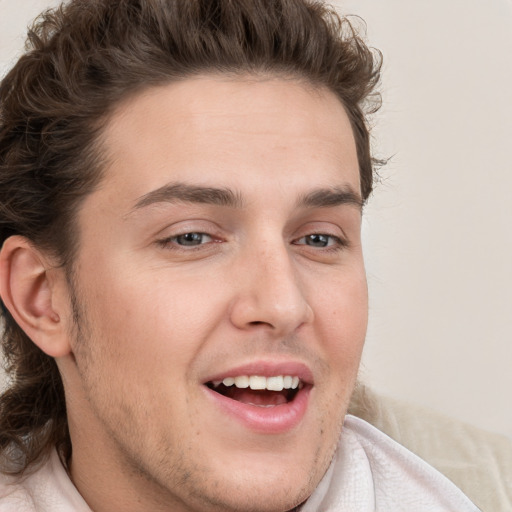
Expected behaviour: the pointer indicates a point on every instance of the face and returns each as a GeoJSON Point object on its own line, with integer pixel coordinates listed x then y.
{"type": "Point", "coordinates": [221, 299]}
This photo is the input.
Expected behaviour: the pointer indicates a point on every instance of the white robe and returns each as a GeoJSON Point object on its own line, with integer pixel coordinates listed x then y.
{"type": "Point", "coordinates": [372, 473]}
{"type": "Point", "coordinates": [369, 473]}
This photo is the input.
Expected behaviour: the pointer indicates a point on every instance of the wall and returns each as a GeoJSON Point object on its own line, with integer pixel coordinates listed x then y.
{"type": "Point", "coordinates": [437, 231]}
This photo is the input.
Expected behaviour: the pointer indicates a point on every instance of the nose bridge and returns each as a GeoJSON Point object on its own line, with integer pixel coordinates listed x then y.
{"type": "Point", "coordinates": [273, 294]}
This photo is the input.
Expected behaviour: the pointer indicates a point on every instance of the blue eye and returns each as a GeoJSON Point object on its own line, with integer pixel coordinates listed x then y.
{"type": "Point", "coordinates": [191, 239]}
{"type": "Point", "coordinates": [319, 240]}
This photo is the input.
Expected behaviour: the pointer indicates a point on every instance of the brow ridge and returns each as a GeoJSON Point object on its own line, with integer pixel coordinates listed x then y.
{"type": "Point", "coordinates": [331, 197]}
{"type": "Point", "coordinates": [183, 192]}
{"type": "Point", "coordinates": [221, 196]}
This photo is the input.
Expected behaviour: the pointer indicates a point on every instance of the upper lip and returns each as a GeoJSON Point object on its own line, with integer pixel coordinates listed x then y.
{"type": "Point", "coordinates": [267, 369]}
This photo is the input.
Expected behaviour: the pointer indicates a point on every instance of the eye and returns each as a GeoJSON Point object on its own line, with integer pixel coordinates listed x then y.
{"type": "Point", "coordinates": [192, 239]}
{"type": "Point", "coordinates": [319, 240]}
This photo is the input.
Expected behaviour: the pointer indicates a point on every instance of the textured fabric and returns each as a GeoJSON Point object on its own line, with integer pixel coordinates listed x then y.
{"type": "Point", "coordinates": [48, 489]}
{"type": "Point", "coordinates": [370, 473]}
{"type": "Point", "coordinates": [373, 473]}
{"type": "Point", "coordinates": [478, 462]}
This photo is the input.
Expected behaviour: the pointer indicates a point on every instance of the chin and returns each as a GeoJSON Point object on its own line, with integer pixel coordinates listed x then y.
{"type": "Point", "coordinates": [256, 496]}
{"type": "Point", "coordinates": [265, 482]}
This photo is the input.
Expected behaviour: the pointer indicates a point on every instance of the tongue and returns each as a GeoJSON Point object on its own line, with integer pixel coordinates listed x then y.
{"type": "Point", "coordinates": [259, 397]}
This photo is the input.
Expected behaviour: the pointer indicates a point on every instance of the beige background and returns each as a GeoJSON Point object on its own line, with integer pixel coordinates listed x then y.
{"type": "Point", "coordinates": [437, 232]}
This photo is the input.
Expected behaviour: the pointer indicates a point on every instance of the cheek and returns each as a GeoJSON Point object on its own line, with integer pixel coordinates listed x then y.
{"type": "Point", "coordinates": [150, 320]}
{"type": "Point", "coordinates": [342, 314]}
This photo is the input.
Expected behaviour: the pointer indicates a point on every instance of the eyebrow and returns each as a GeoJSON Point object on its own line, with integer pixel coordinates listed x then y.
{"type": "Point", "coordinates": [183, 192]}
{"type": "Point", "coordinates": [330, 197]}
{"type": "Point", "coordinates": [190, 194]}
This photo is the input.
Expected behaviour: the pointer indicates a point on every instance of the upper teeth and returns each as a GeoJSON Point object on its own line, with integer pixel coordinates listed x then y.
{"type": "Point", "coordinates": [276, 383]}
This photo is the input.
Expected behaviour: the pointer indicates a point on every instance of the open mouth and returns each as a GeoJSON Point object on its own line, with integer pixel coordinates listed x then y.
{"type": "Point", "coordinates": [257, 390]}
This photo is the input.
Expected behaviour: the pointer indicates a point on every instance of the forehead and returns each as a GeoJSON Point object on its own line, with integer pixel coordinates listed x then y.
{"type": "Point", "coordinates": [212, 129]}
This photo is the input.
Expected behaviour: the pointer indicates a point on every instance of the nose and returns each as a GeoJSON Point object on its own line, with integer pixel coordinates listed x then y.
{"type": "Point", "coordinates": [270, 293]}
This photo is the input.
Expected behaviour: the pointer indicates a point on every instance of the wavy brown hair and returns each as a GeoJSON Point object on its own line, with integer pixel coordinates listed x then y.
{"type": "Point", "coordinates": [81, 60]}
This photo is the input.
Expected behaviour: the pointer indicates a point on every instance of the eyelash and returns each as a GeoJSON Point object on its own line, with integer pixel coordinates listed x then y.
{"type": "Point", "coordinates": [337, 245]}
{"type": "Point", "coordinates": [171, 242]}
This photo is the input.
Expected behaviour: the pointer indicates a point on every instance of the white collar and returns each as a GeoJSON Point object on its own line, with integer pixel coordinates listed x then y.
{"type": "Point", "coordinates": [372, 473]}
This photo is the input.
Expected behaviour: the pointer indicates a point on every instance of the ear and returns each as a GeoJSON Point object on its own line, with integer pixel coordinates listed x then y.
{"type": "Point", "coordinates": [35, 293]}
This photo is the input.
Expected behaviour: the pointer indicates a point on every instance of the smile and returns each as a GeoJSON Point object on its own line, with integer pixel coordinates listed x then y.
{"type": "Point", "coordinates": [265, 398]}
{"type": "Point", "coordinates": [258, 390]}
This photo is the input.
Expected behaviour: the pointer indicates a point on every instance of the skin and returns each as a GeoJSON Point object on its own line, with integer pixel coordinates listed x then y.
{"type": "Point", "coordinates": [154, 318]}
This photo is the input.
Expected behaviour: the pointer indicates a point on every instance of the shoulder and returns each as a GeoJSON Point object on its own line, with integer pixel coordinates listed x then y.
{"type": "Point", "coordinates": [478, 462]}
{"type": "Point", "coordinates": [370, 471]}
{"type": "Point", "coordinates": [401, 478]}
{"type": "Point", "coordinates": [45, 488]}
{"type": "Point", "coordinates": [16, 493]}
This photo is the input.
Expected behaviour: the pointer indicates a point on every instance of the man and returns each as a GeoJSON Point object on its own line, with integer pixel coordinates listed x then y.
{"type": "Point", "coordinates": [181, 272]}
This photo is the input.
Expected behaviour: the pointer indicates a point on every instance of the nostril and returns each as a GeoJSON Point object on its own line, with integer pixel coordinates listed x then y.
{"type": "Point", "coordinates": [280, 307]}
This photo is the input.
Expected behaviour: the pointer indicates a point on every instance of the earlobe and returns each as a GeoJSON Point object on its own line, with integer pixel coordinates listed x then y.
{"type": "Point", "coordinates": [32, 291]}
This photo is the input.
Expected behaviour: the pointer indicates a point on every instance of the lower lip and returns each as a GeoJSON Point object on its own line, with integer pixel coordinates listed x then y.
{"type": "Point", "coordinates": [278, 419]}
